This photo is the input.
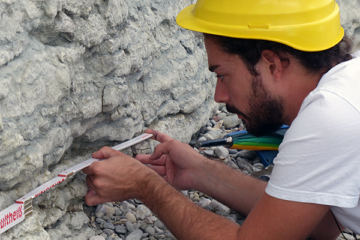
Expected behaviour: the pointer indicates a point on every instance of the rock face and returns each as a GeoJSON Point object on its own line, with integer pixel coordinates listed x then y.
{"type": "Point", "coordinates": [350, 19]}
{"type": "Point", "coordinates": [79, 74]}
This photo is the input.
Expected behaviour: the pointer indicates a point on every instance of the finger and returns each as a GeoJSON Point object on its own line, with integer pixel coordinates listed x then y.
{"type": "Point", "coordinates": [105, 153]}
{"type": "Point", "coordinates": [90, 169]}
{"type": "Point", "coordinates": [147, 160]}
{"type": "Point", "coordinates": [93, 199]}
{"type": "Point", "coordinates": [143, 158]}
{"type": "Point", "coordinates": [159, 136]}
{"type": "Point", "coordinates": [158, 169]}
{"type": "Point", "coordinates": [90, 183]}
{"type": "Point", "coordinates": [161, 149]}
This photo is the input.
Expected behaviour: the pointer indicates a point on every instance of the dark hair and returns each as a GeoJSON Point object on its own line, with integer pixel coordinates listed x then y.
{"type": "Point", "coordinates": [250, 51]}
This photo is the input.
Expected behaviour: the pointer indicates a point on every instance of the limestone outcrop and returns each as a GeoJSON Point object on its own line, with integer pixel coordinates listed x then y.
{"type": "Point", "coordinates": [77, 75]}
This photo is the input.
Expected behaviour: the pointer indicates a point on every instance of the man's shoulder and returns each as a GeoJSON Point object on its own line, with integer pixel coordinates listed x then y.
{"type": "Point", "coordinates": [356, 54]}
{"type": "Point", "coordinates": [342, 81]}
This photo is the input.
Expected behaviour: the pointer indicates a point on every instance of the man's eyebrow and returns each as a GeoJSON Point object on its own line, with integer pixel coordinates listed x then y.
{"type": "Point", "coordinates": [213, 67]}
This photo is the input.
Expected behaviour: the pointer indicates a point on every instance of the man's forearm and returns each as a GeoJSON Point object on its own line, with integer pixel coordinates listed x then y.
{"type": "Point", "coordinates": [236, 190]}
{"type": "Point", "coordinates": [183, 218]}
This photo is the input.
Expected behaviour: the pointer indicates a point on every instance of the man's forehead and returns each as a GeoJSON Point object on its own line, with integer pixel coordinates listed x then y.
{"type": "Point", "coordinates": [218, 59]}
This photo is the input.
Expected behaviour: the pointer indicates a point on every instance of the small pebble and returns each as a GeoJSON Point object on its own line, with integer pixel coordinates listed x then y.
{"type": "Point", "coordinates": [231, 121]}
{"type": "Point", "coordinates": [109, 226]}
{"type": "Point", "coordinates": [246, 154]}
{"type": "Point", "coordinates": [120, 229]}
{"type": "Point", "coordinates": [159, 224]}
{"type": "Point", "coordinates": [135, 235]}
{"type": "Point", "coordinates": [142, 212]}
{"type": "Point", "coordinates": [233, 151]}
{"type": "Point", "coordinates": [208, 137]}
{"type": "Point", "coordinates": [215, 134]}
{"type": "Point", "coordinates": [221, 115]}
{"type": "Point", "coordinates": [97, 238]}
{"type": "Point", "coordinates": [129, 226]}
{"type": "Point", "coordinates": [99, 220]}
{"type": "Point", "coordinates": [209, 153]}
{"type": "Point", "coordinates": [108, 232]}
{"type": "Point", "coordinates": [221, 152]}
{"type": "Point", "coordinates": [130, 217]}
{"type": "Point", "coordinates": [150, 230]}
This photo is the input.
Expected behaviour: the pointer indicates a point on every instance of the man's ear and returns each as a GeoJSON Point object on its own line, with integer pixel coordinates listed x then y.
{"type": "Point", "coordinates": [276, 64]}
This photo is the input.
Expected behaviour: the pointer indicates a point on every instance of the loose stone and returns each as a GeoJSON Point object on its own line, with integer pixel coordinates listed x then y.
{"type": "Point", "coordinates": [97, 238]}
{"type": "Point", "coordinates": [232, 165]}
{"type": "Point", "coordinates": [231, 121]}
{"type": "Point", "coordinates": [233, 151]}
{"type": "Point", "coordinates": [143, 225]}
{"type": "Point", "coordinates": [209, 153]}
{"type": "Point", "coordinates": [221, 152]}
{"type": "Point", "coordinates": [99, 220]}
{"type": "Point", "coordinates": [100, 211]}
{"type": "Point", "coordinates": [129, 226]}
{"type": "Point", "coordinates": [159, 224]}
{"type": "Point", "coordinates": [135, 235]}
{"type": "Point", "coordinates": [150, 230]}
{"type": "Point", "coordinates": [136, 225]}
{"type": "Point", "coordinates": [158, 230]}
{"type": "Point", "coordinates": [130, 217]}
{"type": "Point", "coordinates": [221, 115]}
{"type": "Point", "coordinates": [108, 232]}
{"type": "Point", "coordinates": [120, 229]}
{"type": "Point", "coordinates": [216, 134]}
{"type": "Point", "coordinates": [109, 226]}
{"type": "Point", "coordinates": [244, 164]}
{"type": "Point", "coordinates": [247, 154]}
{"type": "Point", "coordinates": [201, 139]}
{"type": "Point", "coordinates": [117, 212]}
{"type": "Point", "coordinates": [142, 212]}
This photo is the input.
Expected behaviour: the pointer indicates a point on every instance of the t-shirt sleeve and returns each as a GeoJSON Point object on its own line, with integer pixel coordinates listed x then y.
{"type": "Point", "coordinates": [319, 159]}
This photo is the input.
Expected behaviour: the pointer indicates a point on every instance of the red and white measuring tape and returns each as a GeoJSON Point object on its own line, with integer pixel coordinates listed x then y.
{"type": "Point", "coordinates": [22, 207]}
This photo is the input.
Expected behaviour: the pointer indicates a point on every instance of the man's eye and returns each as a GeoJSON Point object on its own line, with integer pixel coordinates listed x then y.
{"type": "Point", "coordinates": [221, 77]}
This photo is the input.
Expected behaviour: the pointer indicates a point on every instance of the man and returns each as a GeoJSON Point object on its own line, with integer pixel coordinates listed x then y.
{"type": "Point", "coordinates": [276, 62]}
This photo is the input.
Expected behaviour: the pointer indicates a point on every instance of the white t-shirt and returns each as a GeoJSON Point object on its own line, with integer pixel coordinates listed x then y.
{"type": "Point", "coordinates": [319, 158]}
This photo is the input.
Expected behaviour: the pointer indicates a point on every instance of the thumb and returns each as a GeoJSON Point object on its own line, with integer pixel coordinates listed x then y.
{"type": "Point", "coordinates": [105, 153]}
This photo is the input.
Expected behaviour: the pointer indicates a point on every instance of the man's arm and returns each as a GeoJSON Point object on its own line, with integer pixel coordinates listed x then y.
{"type": "Point", "coordinates": [235, 189]}
{"type": "Point", "coordinates": [121, 177]}
{"type": "Point", "coordinates": [184, 168]}
{"type": "Point", "coordinates": [271, 218]}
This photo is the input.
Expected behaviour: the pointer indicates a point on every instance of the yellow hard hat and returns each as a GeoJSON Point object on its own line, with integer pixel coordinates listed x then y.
{"type": "Point", "coordinates": [307, 25]}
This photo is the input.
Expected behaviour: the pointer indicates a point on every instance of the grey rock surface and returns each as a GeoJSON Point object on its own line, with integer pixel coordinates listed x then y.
{"type": "Point", "coordinates": [350, 19]}
{"type": "Point", "coordinates": [78, 75]}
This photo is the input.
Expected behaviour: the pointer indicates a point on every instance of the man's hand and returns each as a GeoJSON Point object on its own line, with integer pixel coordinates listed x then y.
{"type": "Point", "coordinates": [117, 178]}
{"type": "Point", "coordinates": [176, 162]}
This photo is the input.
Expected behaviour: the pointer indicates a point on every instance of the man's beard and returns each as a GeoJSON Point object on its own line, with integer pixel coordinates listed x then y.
{"type": "Point", "coordinates": [266, 113]}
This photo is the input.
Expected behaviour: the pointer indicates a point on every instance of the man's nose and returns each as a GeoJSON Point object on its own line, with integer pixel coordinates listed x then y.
{"type": "Point", "coordinates": [221, 92]}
